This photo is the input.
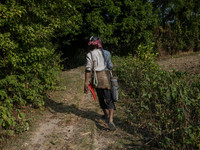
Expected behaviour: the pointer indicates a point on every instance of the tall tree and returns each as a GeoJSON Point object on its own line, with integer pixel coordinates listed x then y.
{"type": "Point", "coordinates": [122, 25]}
{"type": "Point", "coordinates": [183, 17]}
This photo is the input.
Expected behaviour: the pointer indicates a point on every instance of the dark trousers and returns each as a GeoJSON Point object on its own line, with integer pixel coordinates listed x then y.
{"type": "Point", "coordinates": [105, 99]}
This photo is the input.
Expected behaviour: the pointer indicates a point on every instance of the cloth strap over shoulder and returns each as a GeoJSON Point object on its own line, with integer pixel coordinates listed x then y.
{"type": "Point", "coordinates": [94, 76]}
{"type": "Point", "coordinates": [101, 79]}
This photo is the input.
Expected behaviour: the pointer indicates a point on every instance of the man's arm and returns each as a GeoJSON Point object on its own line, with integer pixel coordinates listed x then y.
{"type": "Point", "coordinates": [86, 87]}
{"type": "Point", "coordinates": [109, 62]}
{"type": "Point", "coordinates": [87, 71]}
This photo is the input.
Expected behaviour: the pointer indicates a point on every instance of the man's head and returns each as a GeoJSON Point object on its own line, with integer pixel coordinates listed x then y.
{"type": "Point", "coordinates": [94, 38]}
{"type": "Point", "coordinates": [95, 41]}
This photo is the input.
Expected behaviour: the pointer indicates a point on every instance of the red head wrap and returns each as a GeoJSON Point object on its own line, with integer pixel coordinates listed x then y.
{"type": "Point", "coordinates": [95, 43]}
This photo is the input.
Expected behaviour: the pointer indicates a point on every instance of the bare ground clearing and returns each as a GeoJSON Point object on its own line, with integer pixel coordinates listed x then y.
{"type": "Point", "coordinates": [190, 64]}
{"type": "Point", "coordinates": [73, 120]}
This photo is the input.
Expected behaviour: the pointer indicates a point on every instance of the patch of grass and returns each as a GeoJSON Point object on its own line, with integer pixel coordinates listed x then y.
{"type": "Point", "coordinates": [84, 139]}
{"type": "Point", "coordinates": [185, 54]}
{"type": "Point", "coordinates": [71, 91]}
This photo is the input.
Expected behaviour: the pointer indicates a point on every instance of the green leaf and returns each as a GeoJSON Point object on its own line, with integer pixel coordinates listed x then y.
{"type": "Point", "coordinates": [4, 116]}
{"type": "Point", "coordinates": [9, 122]}
{"type": "Point", "coordinates": [144, 95]}
{"type": "Point", "coordinates": [19, 117]}
{"type": "Point", "coordinates": [191, 135]}
{"type": "Point", "coordinates": [1, 121]}
{"type": "Point", "coordinates": [3, 94]}
{"type": "Point", "coordinates": [11, 133]}
{"type": "Point", "coordinates": [144, 106]}
{"type": "Point", "coordinates": [173, 95]}
{"type": "Point", "coordinates": [159, 132]}
{"type": "Point", "coordinates": [179, 117]}
{"type": "Point", "coordinates": [8, 113]}
{"type": "Point", "coordinates": [128, 111]}
{"type": "Point", "coordinates": [22, 115]}
{"type": "Point", "coordinates": [150, 124]}
{"type": "Point", "coordinates": [149, 95]}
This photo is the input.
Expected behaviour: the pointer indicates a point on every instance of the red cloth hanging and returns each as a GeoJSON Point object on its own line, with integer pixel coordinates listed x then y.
{"type": "Point", "coordinates": [92, 91]}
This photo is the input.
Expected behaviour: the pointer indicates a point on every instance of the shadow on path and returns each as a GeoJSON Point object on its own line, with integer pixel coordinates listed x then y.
{"type": "Point", "coordinates": [94, 116]}
{"type": "Point", "coordinates": [84, 113]}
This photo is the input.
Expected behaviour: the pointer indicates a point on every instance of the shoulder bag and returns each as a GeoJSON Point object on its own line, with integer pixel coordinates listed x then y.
{"type": "Point", "coordinates": [105, 80]}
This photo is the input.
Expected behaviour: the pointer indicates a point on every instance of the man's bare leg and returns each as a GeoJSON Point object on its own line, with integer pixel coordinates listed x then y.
{"type": "Point", "coordinates": [111, 124]}
{"type": "Point", "coordinates": [105, 112]}
{"type": "Point", "coordinates": [110, 115]}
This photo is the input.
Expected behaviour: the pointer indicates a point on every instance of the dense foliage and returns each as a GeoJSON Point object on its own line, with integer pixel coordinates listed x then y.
{"type": "Point", "coordinates": [178, 27]}
{"type": "Point", "coordinates": [29, 64]}
{"type": "Point", "coordinates": [123, 25]}
{"type": "Point", "coordinates": [165, 103]}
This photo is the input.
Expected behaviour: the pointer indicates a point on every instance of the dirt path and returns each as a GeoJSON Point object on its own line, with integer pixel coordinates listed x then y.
{"type": "Point", "coordinates": [73, 121]}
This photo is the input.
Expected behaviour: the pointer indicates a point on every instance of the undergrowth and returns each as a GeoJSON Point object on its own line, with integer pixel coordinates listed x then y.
{"type": "Point", "coordinates": [29, 64]}
{"type": "Point", "coordinates": [167, 104]}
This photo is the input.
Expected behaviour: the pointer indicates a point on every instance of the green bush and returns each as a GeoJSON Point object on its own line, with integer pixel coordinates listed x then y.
{"type": "Point", "coordinates": [29, 64]}
{"type": "Point", "coordinates": [167, 103]}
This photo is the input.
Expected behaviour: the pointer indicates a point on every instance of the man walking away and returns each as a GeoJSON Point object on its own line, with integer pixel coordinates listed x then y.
{"type": "Point", "coordinates": [98, 61]}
